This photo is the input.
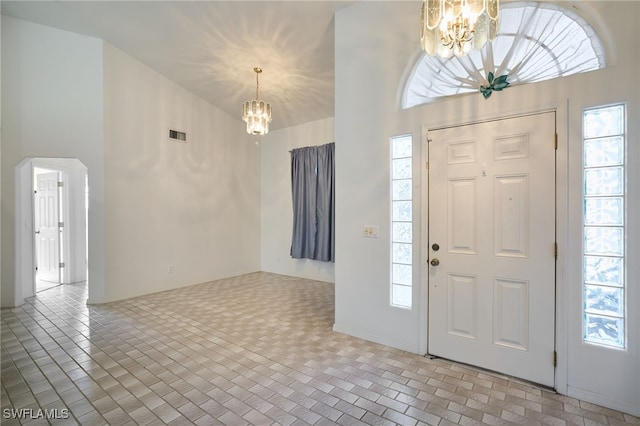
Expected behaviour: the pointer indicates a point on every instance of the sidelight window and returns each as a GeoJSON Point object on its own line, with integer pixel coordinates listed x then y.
{"type": "Point", "coordinates": [401, 221]}
{"type": "Point", "coordinates": [604, 226]}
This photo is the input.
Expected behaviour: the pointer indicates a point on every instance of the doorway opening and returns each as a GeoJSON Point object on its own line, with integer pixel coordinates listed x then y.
{"type": "Point", "coordinates": [51, 244]}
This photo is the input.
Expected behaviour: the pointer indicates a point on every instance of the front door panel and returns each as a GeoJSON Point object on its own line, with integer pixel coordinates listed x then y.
{"type": "Point", "coordinates": [492, 218]}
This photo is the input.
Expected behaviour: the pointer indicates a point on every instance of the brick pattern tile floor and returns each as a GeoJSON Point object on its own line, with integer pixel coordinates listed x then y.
{"type": "Point", "coordinates": [251, 350]}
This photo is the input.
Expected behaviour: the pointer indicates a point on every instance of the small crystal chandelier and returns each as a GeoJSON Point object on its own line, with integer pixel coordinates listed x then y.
{"type": "Point", "coordinates": [257, 113]}
{"type": "Point", "coordinates": [454, 27]}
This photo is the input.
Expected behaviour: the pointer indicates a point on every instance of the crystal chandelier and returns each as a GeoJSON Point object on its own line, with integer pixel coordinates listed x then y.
{"type": "Point", "coordinates": [257, 113]}
{"type": "Point", "coordinates": [454, 27]}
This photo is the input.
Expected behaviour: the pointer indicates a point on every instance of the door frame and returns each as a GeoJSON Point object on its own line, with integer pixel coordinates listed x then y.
{"type": "Point", "coordinates": [562, 225]}
{"type": "Point", "coordinates": [24, 242]}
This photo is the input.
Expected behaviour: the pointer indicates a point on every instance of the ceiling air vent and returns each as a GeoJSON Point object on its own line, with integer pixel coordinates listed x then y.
{"type": "Point", "coordinates": [176, 135]}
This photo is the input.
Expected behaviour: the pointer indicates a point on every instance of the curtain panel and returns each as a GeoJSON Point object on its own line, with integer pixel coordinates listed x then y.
{"type": "Point", "coordinates": [313, 198]}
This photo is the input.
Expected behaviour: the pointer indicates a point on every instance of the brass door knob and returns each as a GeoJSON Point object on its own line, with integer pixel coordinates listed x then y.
{"type": "Point", "coordinates": [435, 262]}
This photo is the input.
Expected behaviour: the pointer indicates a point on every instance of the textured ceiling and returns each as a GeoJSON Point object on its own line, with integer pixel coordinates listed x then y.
{"type": "Point", "coordinates": [211, 47]}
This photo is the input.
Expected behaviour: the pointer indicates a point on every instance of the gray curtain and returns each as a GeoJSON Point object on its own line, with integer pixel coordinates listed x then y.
{"type": "Point", "coordinates": [313, 196]}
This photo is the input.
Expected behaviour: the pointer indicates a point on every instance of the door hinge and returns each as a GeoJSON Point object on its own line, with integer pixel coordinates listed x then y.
{"type": "Point", "coordinates": [426, 165]}
{"type": "Point", "coordinates": [61, 264]}
{"type": "Point", "coordinates": [555, 251]}
{"type": "Point", "coordinates": [60, 184]}
{"type": "Point", "coordinates": [555, 358]}
{"type": "Point", "coordinates": [556, 142]}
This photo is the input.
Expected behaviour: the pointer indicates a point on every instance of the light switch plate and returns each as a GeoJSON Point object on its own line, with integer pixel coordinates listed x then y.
{"type": "Point", "coordinates": [370, 231]}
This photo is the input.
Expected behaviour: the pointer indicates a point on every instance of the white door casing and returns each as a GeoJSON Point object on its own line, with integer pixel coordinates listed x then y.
{"type": "Point", "coordinates": [47, 227]}
{"type": "Point", "coordinates": [492, 214]}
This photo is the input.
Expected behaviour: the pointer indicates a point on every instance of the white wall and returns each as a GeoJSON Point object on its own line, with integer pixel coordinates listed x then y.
{"type": "Point", "coordinates": [276, 207]}
{"type": "Point", "coordinates": [371, 69]}
{"type": "Point", "coordinates": [152, 203]}
{"type": "Point", "coordinates": [51, 107]}
{"type": "Point", "coordinates": [177, 214]}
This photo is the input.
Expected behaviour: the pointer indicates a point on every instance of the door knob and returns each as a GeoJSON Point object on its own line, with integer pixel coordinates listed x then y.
{"type": "Point", "coordinates": [435, 262]}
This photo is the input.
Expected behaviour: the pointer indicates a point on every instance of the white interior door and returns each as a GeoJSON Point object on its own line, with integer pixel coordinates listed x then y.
{"type": "Point", "coordinates": [47, 227]}
{"type": "Point", "coordinates": [492, 230]}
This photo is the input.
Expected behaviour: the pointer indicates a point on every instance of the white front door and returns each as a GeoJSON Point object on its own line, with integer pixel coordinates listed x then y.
{"type": "Point", "coordinates": [491, 245]}
{"type": "Point", "coordinates": [47, 227]}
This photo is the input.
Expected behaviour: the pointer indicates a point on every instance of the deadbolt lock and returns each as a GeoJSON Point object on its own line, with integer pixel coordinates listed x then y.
{"type": "Point", "coordinates": [435, 262]}
{"type": "Point", "coordinates": [435, 247]}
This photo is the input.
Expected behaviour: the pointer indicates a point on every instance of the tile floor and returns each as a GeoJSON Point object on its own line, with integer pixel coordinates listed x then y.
{"type": "Point", "coordinates": [42, 285]}
{"type": "Point", "coordinates": [256, 349]}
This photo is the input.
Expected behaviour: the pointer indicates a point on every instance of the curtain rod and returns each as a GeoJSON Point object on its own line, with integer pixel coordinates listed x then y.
{"type": "Point", "coordinates": [310, 146]}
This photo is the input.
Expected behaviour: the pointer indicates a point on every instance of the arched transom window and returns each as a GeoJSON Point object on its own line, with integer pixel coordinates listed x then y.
{"type": "Point", "coordinates": [535, 42]}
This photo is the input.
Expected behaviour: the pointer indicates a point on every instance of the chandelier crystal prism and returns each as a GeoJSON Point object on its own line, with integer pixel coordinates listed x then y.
{"type": "Point", "coordinates": [257, 113]}
{"type": "Point", "coordinates": [454, 27]}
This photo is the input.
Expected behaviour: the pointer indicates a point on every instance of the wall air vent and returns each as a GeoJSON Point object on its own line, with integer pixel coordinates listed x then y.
{"type": "Point", "coordinates": [176, 135]}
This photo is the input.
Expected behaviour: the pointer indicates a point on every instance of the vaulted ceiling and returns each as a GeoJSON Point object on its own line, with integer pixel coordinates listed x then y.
{"type": "Point", "coordinates": [211, 47]}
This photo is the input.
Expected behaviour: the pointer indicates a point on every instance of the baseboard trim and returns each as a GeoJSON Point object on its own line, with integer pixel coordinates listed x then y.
{"type": "Point", "coordinates": [382, 340]}
{"type": "Point", "coordinates": [604, 400]}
